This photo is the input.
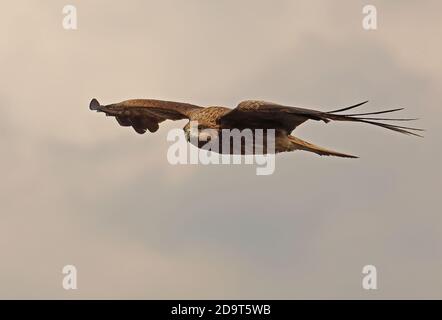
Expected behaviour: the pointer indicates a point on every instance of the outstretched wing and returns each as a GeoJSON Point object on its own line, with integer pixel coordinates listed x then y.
{"type": "Point", "coordinates": [145, 114]}
{"type": "Point", "coordinates": [261, 114]}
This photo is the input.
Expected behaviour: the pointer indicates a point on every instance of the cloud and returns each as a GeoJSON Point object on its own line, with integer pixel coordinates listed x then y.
{"type": "Point", "coordinates": [80, 190]}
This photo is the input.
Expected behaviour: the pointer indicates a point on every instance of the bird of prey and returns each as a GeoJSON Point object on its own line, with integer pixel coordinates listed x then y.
{"type": "Point", "coordinates": [146, 114]}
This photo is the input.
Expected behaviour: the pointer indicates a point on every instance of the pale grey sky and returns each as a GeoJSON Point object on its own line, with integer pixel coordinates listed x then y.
{"type": "Point", "coordinates": [78, 189]}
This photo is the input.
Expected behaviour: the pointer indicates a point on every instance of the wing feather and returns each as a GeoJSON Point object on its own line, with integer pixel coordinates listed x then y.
{"type": "Point", "coordinates": [262, 114]}
{"type": "Point", "coordinates": [145, 114]}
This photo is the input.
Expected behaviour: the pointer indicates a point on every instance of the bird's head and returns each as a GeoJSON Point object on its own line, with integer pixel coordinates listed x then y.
{"type": "Point", "coordinates": [200, 133]}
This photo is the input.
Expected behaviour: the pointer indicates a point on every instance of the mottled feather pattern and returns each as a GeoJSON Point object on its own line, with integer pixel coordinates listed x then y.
{"type": "Point", "coordinates": [146, 114]}
{"type": "Point", "coordinates": [209, 115]}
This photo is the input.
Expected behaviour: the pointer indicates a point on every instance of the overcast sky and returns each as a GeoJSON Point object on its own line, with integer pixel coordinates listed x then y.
{"type": "Point", "coordinates": [78, 189]}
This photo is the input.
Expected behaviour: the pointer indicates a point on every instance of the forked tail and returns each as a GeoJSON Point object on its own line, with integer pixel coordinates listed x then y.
{"type": "Point", "coordinates": [299, 144]}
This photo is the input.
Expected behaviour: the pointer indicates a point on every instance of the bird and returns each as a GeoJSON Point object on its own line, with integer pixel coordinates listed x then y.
{"type": "Point", "coordinates": [146, 114]}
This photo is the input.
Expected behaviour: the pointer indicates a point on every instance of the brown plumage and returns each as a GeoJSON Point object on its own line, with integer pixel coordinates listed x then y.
{"type": "Point", "coordinates": [147, 114]}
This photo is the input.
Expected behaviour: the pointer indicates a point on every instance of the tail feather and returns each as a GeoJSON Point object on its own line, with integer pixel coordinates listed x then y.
{"type": "Point", "coordinates": [298, 144]}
